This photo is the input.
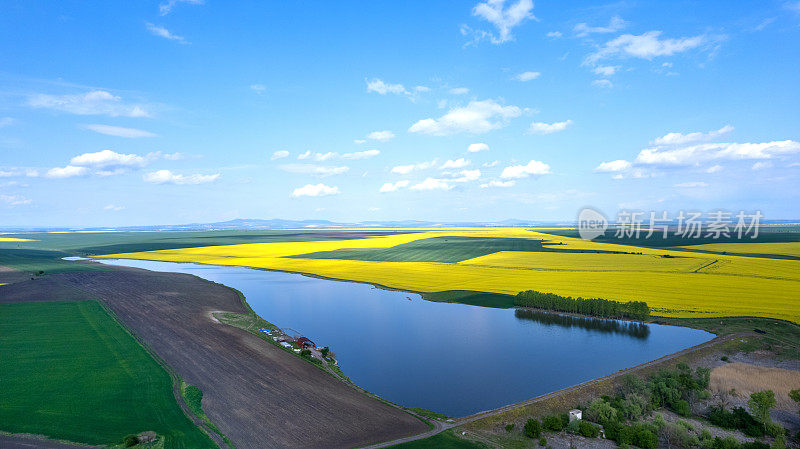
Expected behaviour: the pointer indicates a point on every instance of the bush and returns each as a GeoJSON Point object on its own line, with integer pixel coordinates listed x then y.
{"type": "Point", "coordinates": [542, 441]}
{"type": "Point", "coordinates": [130, 440]}
{"type": "Point", "coordinates": [509, 427]}
{"type": "Point", "coordinates": [305, 353]}
{"type": "Point", "coordinates": [533, 428]}
{"type": "Point", "coordinates": [588, 430]}
{"type": "Point", "coordinates": [601, 412]}
{"type": "Point", "coordinates": [737, 419]}
{"type": "Point", "coordinates": [681, 407]}
{"type": "Point", "coordinates": [552, 423]}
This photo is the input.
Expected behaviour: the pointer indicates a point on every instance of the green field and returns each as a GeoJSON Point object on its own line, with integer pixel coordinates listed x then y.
{"type": "Point", "coordinates": [71, 372]}
{"type": "Point", "coordinates": [444, 440]}
{"type": "Point", "coordinates": [437, 249]}
{"type": "Point", "coordinates": [34, 261]}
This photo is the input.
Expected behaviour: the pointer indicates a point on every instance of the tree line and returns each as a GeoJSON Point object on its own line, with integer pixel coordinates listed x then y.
{"type": "Point", "coordinates": [605, 308]}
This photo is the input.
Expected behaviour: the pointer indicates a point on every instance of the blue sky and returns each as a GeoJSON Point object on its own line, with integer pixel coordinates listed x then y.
{"type": "Point", "coordinates": [133, 113]}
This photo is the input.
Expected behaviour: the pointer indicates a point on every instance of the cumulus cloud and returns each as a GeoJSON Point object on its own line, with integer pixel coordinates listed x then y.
{"type": "Point", "coordinates": [406, 169]}
{"type": "Point", "coordinates": [459, 91]}
{"type": "Point", "coordinates": [168, 177]}
{"type": "Point", "coordinates": [680, 138]}
{"type": "Point", "coordinates": [14, 200]}
{"type": "Point", "coordinates": [118, 131]}
{"type": "Point", "coordinates": [319, 157]}
{"type": "Point", "coordinates": [114, 207]}
{"type": "Point", "coordinates": [393, 187]}
{"type": "Point", "coordinates": [554, 34]}
{"type": "Point", "coordinates": [605, 84]}
{"type": "Point", "coordinates": [166, 7]}
{"type": "Point", "coordinates": [714, 169]}
{"type": "Point", "coordinates": [613, 166]}
{"type": "Point", "coordinates": [527, 76]}
{"type": "Point", "coordinates": [491, 164]}
{"type": "Point", "coordinates": [532, 168]}
{"type": "Point", "coordinates": [606, 70]}
{"type": "Point", "coordinates": [467, 176]}
{"type": "Point", "coordinates": [280, 154]}
{"type": "Point", "coordinates": [381, 136]}
{"type": "Point", "coordinates": [477, 117]}
{"type": "Point", "coordinates": [476, 147]}
{"type": "Point", "coordinates": [380, 87]}
{"type": "Point", "coordinates": [361, 154]}
{"type": "Point", "coordinates": [548, 128]}
{"type": "Point", "coordinates": [504, 18]}
{"type": "Point", "coordinates": [109, 159]}
{"type": "Point", "coordinates": [315, 190]}
{"type": "Point", "coordinates": [645, 46]}
{"type": "Point", "coordinates": [694, 154]}
{"type": "Point", "coordinates": [456, 163]}
{"type": "Point", "coordinates": [495, 183]}
{"type": "Point", "coordinates": [96, 102]}
{"type": "Point", "coordinates": [761, 165]}
{"type": "Point", "coordinates": [432, 184]}
{"type": "Point", "coordinates": [312, 169]}
{"type": "Point", "coordinates": [583, 29]}
{"type": "Point", "coordinates": [160, 31]}
{"type": "Point", "coordinates": [69, 171]}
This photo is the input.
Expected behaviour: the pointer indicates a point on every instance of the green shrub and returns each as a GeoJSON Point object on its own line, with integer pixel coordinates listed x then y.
{"type": "Point", "coordinates": [509, 427]}
{"type": "Point", "coordinates": [130, 440]}
{"type": "Point", "coordinates": [552, 423]}
{"type": "Point", "coordinates": [542, 441]}
{"type": "Point", "coordinates": [587, 429]}
{"type": "Point", "coordinates": [533, 428]}
{"type": "Point", "coordinates": [305, 353]}
{"type": "Point", "coordinates": [681, 407]}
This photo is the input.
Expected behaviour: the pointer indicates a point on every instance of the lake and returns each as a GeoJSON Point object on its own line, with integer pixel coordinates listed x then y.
{"type": "Point", "coordinates": [450, 358]}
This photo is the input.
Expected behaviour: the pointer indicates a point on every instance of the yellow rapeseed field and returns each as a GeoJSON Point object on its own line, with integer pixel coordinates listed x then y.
{"type": "Point", "coordinates": [687, 284]}
{"type": "Point", "coordinates": [14, 239]}
{"type": "Point", "coordinates": [782, 248]}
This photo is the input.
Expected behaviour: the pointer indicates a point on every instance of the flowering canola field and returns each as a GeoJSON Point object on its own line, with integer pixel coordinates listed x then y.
{"type": "Point", "coordinates": [682, 284]}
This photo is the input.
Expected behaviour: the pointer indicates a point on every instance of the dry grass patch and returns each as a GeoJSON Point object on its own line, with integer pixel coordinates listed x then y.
{"type": "Point", "coordinates": [746, 379]}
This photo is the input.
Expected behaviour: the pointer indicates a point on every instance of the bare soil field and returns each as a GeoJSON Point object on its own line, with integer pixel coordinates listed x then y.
{"type": "Point", "coordinates": [257, 394]}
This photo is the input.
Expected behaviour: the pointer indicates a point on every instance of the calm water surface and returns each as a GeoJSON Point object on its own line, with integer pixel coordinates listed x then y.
{"type": "Point", "coordinates": [450, 358]}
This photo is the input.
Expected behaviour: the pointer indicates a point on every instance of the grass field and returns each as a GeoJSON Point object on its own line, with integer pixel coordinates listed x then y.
{"type": "Point", "coordinates": [71, 372]}
{"type": "Point", "coordinates": [33, 261]}
{"type": "Point", "coordinates": [444, 440]}
{"type": "Point", "coordinates": [673, 282]}
{"type": "Point", "coordinates": [772, 248]}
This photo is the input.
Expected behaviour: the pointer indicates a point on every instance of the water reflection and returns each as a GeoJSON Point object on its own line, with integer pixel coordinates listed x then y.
{"type": "Point", "coordinates": [630, 328]}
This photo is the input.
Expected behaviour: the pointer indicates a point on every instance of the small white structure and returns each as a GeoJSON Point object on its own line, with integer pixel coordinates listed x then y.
{"type": "Point", "coordinates": [575, 415]}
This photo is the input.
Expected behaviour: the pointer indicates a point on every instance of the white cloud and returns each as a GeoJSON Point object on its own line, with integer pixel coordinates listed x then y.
{"type": "Point", "coordinates": [691, 185]}
{"type": "Point", "coordinates": [476, 147]}
{"type": "Point", "coordinates": [554, 34]}
{"type": "Point", "coordinates": [606, 70]}
{"type": "Point", "coordinates": [381, 136]}
{"type": "Point", "coordinates": [113, 207]}
{"type": "Point", "coordinates": [532, 168]}
{"type": "Point", "coordinates": [258, 88]}
{"type": "Point", "coordinates": [361, 154]}
{"type": "Point", "coordinates": [605, 84]}
{"type": "Point", "coordinates": [491, 164]}
{"type": "Point", "coordinates": [359, 141]}
{"type": "Point", "coordinates": [457, 163]}
{"type": "Point", "coordinates": [108, 159]}
{"type": "Point", "coordinates": [280, 154]}
{"type": "Point", "coordinates": [118, 131]}
{"type": "Point", "coordinates": [645, 46]}
{"type": "Point", "coordinates": [319, 157]}
{"type": "Point", "coordinates": [680, 139]}
{"type": "Point", "coordinates": [495, 183]}
{"type": "Point", "coordinates": [167, 177]}
{"type": "Point", "coordinates": [96, 102]}
{"type": "Point", "coordinates": [695, 154]}
{"type": "Point", "coordinates": [467, 176]}
{"type": "Point", "coordinates": [476, 118]}
{"type": "Point", "coordinates": [160, 31]}
{"type": "Point", "coordinates": [406, 169]}
{"type": "Point", "coordinates": [761, 165]}
{"type": "Point", "coordinates": [615, 24]}
{"type": "Point", "coordinates": [714, 169]}
{"type": "Point", "coordinates": [66, 172]}
{"type": "Point", "coordinates": [393, 187]}
{"type": "Point", "coordinates": [504, 19]}
{"type": "Point", "coordinates": [459, 91]}
{"type": "Point", "coordinates": [613, 166]}
{"type": "Point", "coordinates": [312, 169]}
{"type": "Point", "coordinates": [166, 7]}
{"type": "Point", "coordinates": [315, 190]}
{"type": "Point", "coordinates": [380, 87]}
{"type": "Point", "coordinates": [549, 128]}
{"type": "Point", "coordinates": [432, 184]}
{"type": "Point", "coordinates": [527, 76]}
{"type": "Point", "coordinates": [14, 200]}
